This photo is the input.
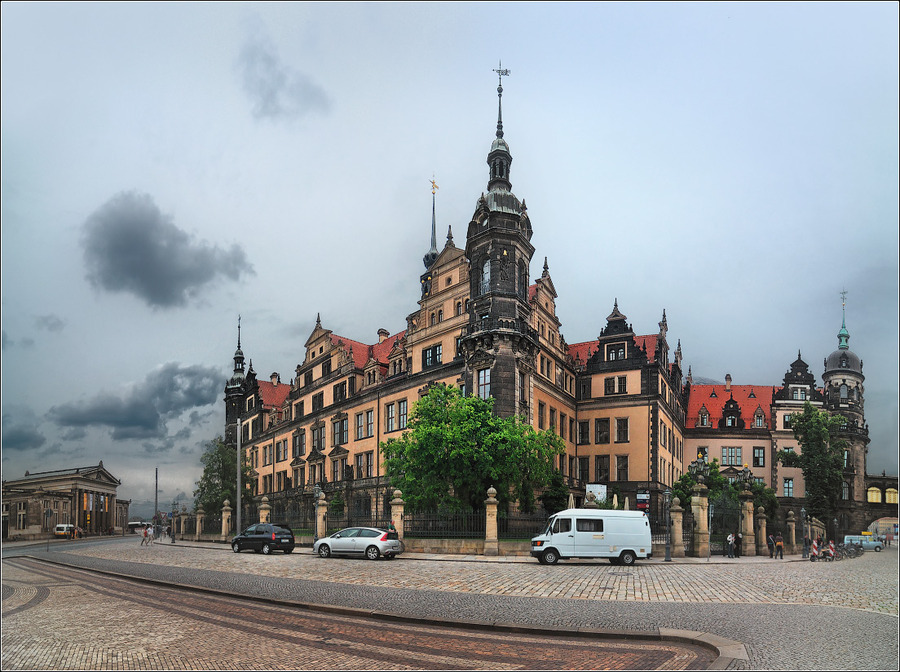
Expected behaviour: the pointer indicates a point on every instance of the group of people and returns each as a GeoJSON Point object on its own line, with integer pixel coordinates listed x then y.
{"type": "Point", "coordinates": [147, 535]}
{"type": "Point", "coordinates": [775, 545]}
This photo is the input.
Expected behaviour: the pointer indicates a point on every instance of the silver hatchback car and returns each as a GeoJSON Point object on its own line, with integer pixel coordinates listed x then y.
{"type": "Point", "coordinates": [369, 542]}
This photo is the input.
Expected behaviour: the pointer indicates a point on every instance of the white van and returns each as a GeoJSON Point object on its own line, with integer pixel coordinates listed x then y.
{"type": "Point", "coordinates": [63, 530]}
{"type": "Point", "coordinates": [621, 536]}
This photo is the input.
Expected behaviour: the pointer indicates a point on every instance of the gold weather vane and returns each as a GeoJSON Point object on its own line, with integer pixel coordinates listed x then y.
{"type": "Point", "coordinates": [434, 186]}
{"type": "Point", "coordinates": [843, 297]}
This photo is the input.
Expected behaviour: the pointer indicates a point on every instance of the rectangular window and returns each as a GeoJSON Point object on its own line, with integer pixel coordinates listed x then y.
{"type": "Point", "coordinates": [787, 421]}
{"type": "Point", "coordinates": [307, 377]}
{"type": "Point", "coordinates": [370, 423]}
{"type": "Point", "coordinates": [339, 392]}
{"type": "Point", "coordinates": [615, 351]}
{"type": "Point", "coordinates": [584, 432]}
{"type": "Point", "coordinates": [622, 389]}
{"type": "Point", "coordinates": [609, 386]}
{"type": "Point", "coordinates": [326, 367]}
{"type": "Point", "coordinates": [359, 465]}
{"type": "Point", "coordinates": [601, 468]}
{"type": "Point", "coordinates": [601, 430]}
{"type": "Point", "coordinates": [432, 356]}
{"type": "Point", "coordinates": [621, 430]}
{"type": "Point", "coordinates": [390, 418]}
{"type": "Point", "coordinates": [402, 413]}
{"type": "Point", "coordinates": [318, 401]}
{"type": "Point", "coordinates": [562, 425]}
{"type": "Point", "coordinates": [621, 467]}
{"type": "Point", "coordinates": [360, 426]}
{"type": "Point", "coordinates": [370, 461]}
{"type": "Point", "coordinates": [789, 487]}
{"type": "Point", "coordinates": [318, 438]}
{"type": "Point", "coordinates": [589, 524]}
{"type": "Point", "coordinates": [731, 456]}
{"type": "Point", "coordinates": [759, 456]}
{"type": "Point", "coordinates": [553, 420]}
{"type": "Point", "coordinates": [584, 469]}
{"type": "Point", "coordinates": [541, 409]}
{"type": "Point", "coordinates": [339, 428]}
{"type": "Point", "coordinates": [484, 383]}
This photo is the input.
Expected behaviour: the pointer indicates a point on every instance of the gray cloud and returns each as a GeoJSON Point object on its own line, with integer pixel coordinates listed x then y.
{"type": "Point", "coordinates": [20, 430]}
{"type": "Point", "coordinates": [276, 90]}
{"type": "Point", "coordinates": [50, 323]}
{"type": "Point", "coordinates": [130, 246]}
{"type": "Point", "coordinates": [142, 412]}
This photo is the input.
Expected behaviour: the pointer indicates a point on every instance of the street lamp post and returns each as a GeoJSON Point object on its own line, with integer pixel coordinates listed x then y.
{"type": "Point", "coordinates": [667, 495]}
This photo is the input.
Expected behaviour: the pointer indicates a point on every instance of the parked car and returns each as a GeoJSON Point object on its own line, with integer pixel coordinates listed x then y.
{"type": "Point", "coordinates": [370, 542]}
{"type": "Point", "coordinates": [264, 538]}
{"type": "Point", "coordinates": [63, 530]}
{"type": "Point", "coordinates": [868, 542]}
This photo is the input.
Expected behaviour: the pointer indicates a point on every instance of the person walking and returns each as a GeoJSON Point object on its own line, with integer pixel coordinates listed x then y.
{"type": "Point", "coordinates": [770, 543]}
{"type": "Point", "coordinates": [779, 546]}
{"type": "Point", "coordinates": [730, 541]}
{"type": "Point", "coordinates": [144, 535]}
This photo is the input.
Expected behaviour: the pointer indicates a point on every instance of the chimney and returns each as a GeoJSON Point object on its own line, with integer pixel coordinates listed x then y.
{"type": "Point", "coordinates": [382, 335]}
{"type": "Point", "coordinates": [275, 378]}
{"type": "Point", "coordinates": [728, 382]}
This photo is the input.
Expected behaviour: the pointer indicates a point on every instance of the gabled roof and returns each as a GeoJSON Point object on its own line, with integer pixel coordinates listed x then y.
{"type": "Point", "coordinates": [272, 396]}
{"type": "Point", "coordinates": [749, 398]}
{"type": "Point", "coordinates": [648, 343]}
{"type": "Point", "coordinates": [581, 352]}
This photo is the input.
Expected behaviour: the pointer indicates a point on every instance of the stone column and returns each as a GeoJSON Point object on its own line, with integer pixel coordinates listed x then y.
{"type": "Point", "coordinates": [226, 519]}
{"type": "Point", "coordinates": [321, 511]}
{"type": "Point", "coordinates": [762, 548]}
{"type": "Point", "coordinates": [264, 510]}
{"type": "Point", "coordinates": [200, 514]}
{"type": "Point", "coordinates": [700, 509]}
{"type": "Point", "coordinates": [677, 514]}
{"type": "Point", "coordinates": [397, 505]}
{"type": "Point", "coordinates": [491, 543]}
{"type": "Point", "coordinates": [748, 547]}
{"type": "Point", "coordinates": [790, 543]}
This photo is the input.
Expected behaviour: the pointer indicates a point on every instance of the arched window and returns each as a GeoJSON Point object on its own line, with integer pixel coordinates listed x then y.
{"type": "Point", "coordinates": [523, 280]}
{"type": "Point", "coordinates": [432, 319]}
{"type": "Point", "coordinates": [486, 276]}
{"type": "Point", "coordinates": [843, 392]}
{"type": "Point", "coordinates": [459, 307]}
{"type": "Point", "coordinates": [873, 495]}
{"type": "Point", "coordinates": [441, 315]}
{"type": "Point", "coordinates": [890, 496]}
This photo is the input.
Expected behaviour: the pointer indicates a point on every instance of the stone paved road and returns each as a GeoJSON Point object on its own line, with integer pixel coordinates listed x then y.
{"type": "Point", "coordinates": [788, 614]}
{"type": "Point", "coordinates": [60, 618]}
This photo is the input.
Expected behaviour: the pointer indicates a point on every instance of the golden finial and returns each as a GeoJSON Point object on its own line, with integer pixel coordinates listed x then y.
{"type": "Point", "coordinates": [434, 186]}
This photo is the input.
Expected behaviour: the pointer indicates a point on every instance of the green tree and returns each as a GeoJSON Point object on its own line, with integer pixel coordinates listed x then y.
{"type": "Point", "coordinates": [219, 477]}
{"type": "Point", "coordinates": [821, 458]}
{"type": "Point", "coordinates": [456, 448]}
{"type": "Point", "coordinates": [556, 496]}
{"type": "Point", "coordinates": [718, 484]}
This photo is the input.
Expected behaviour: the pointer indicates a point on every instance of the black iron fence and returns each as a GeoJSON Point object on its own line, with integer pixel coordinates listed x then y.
{"type": "Point", "coordinates": [521, 526]}
{"type": "Point", "coordinates": [212, 525]}
{"type": "Point", "coordinates": [445, 525]}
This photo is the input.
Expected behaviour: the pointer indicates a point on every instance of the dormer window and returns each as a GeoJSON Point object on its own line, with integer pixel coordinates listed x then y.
{"type": "Point", "coordinates": [703, 419]}
{"type": "Point", "coordinates": [730, 421]}
{"type": "Point", "coordinates": [799, 394]}
{"type": "Point", "coordinates": [615, 351]}
{"type": "Point", "coordinates": [759, 420]}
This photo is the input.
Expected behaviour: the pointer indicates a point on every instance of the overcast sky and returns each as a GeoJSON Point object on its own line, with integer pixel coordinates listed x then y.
{"type": "Point", "coordinates": [166, 167]}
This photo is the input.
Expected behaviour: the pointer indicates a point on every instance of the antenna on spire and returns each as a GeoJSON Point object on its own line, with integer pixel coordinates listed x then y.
{"type": "Point", "coordinates": [239, 332]}
{"type": "Point", "coordinates": [501, 73]}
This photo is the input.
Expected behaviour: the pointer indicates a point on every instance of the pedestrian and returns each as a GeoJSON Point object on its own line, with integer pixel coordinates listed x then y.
{"type": "Point", "coordinates": [888, 538]}
{"type": "Point", "coordinates": [150, 533]}
{"type": "Point", "coordinates": [779, 546]}
{"type": "Point", "coordinates": [770, 542]}
{"type": "Point", "coordinates": [391, 527]}
{"type": "Point", "coordinates": [737, 544]}
{"type": "Point", "coordinates": [730, 542]}
{"type": "Point", "coordinates": [144, 535]}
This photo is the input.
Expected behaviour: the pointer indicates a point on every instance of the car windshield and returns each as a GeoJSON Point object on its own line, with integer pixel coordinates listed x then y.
{"type": "Point", "coordinates": [549, 527]}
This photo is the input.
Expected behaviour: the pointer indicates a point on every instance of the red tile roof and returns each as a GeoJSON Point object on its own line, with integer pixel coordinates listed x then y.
{"type": "Point", "coordinates": [581, 352]}
{"type": "Point", "coordinates": [272, 396]}
{"type": "Point", "coordinates": [702, 395]}
{"type": "Point", "coordinates": [362, 352]}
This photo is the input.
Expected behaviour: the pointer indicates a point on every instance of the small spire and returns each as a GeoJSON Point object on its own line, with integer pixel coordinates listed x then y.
{"type": "Point", "coordinates": [318, 320]}
{"type": "Point", "coordinates": [501, 73]}
{"type": "Point", "coordinates": [546, 272]}
{"type": "Point", "coordinates": [449, 236]}
{"type": "Point", "coordinates": [843, 334]}
{"type": "Point", "coordinates": [432, 254]}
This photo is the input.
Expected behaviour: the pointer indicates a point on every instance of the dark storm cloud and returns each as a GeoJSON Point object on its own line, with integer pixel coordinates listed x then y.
{"type": "Point", "coordinates": [49, 323]}
{"type": "Point", "coordinates": [276, 90]}
{"type": "Point", "coordinates": [142, 412]}
{"type": "Point", "coordinates": [130, 246]}
{"type": "Point", "coordinates": [21, 430]}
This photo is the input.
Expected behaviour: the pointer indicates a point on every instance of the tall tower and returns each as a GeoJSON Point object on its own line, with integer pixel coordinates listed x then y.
{"type": "Point", "coordinates": [234, 394]}
{"type": "Point", "coordinates": [432, 254]}
{"type": "Point", "coordinates": [844, 395]}
{"type": "Point", "coordinates": [499, 344]}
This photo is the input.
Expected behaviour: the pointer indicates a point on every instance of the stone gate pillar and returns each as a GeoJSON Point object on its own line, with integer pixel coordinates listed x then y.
{"type": "Point", "coordinates": [200, 514]}
{"type": "Point", "coordinates": [226, 519]}
{"type": "Point", "coordinates": [264, 510]}
{"type": "Point", "coordinates": [700, 509]}
{"type": "Point", "coordinates": [677, 531]}
{"type": "Point", "coordinates": [491, 543]}
{"type": "Point", "coordinates": [748, 547]}
{"type": "Point", "coordinates": [321, 511]}
{"type": "Point", "coordinates": [397, 505]}
{"type": "Point", "coordinates": [762, 547]}
{"type": "Point", "coordinates": [790, 543]}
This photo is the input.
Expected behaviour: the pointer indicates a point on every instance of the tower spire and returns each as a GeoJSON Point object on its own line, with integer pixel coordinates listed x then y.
{"type": "Point", "coordinates": [499, 158]}
{"type": "Point", "coordinates": [432, 254]}
{"type": "Point", "coordinates": [843, 334]}
{"type": "Point", "coordinates": [501, 73]}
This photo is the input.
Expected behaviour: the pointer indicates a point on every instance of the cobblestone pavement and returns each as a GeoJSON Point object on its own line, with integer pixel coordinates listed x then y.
{"type": "Point", "coordinates": [785, 613]}
{"type": "Point", "coordinates": [60, 618]}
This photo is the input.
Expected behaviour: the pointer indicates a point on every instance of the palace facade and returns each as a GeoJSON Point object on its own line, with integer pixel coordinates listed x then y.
{"type": "Point", "coordinates": [620, 402]}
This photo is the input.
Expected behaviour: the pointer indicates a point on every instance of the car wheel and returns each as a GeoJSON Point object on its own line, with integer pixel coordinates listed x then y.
{"type": "Point", "coordinates": [877, 549]}
{"type": "Point", "coordinates": [372, 553]}
{"type": "Point", "coordinates": [266, 549]}
{"type": "Point", "coordinates": [550, 556]}
{"type": "Point", "coordinates": [324, 551]}
{"type": "Point", "coordinates": [627, 558]}
{"type": "Point", "coordinates": [236, 547]}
